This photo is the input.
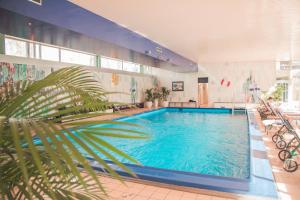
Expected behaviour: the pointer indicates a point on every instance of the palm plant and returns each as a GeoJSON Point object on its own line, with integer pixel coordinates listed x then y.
{"type": "Point", "coordinates": [149, 95]}
{"type": "Point", "coordinates": [39, 157]}
{"type": "Point", "coordinates": [165, 92]}
{"type": "Point", "coordinates": [156, 93]}
{"type": "Point", "coordinates": [277, 95]}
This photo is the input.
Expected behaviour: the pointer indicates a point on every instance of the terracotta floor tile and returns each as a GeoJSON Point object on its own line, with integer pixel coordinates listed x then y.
{"type": "Point", "coordinates": [187, 198]}
{"type": "Point", "coordinates": [140, 198]}
{"type": "Point", "coordinates": [122, 187]}
{"type": "Point", "coordinates": [159, 196]}
{"type": "Point", "coordinates": [174, 194]}
{"type": "Point", "coordinates": [128, 195]}
{"type": "Point", "coordinates": [188, 195]}
{"type": "Point", "coordinates": [150, 187]}
{"type": "Point", "coordinates": [146, 193]}
{"type": "Point", "coordinates": [172, 197]}
{"type": "Point", "coordinates": [163, 190]}
{"type": "Point", "coordinates": [203, 197]}
{"type": "Point", "coordinates": [219, 198]}
{"type": "Point", "coordinates": [115, 194]}
{"type": "Point", "coordinates": [139, 186]}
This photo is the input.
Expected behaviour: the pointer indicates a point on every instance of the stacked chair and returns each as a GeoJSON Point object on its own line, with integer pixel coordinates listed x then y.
{"type": "Point", "coordinates": [286, 137]}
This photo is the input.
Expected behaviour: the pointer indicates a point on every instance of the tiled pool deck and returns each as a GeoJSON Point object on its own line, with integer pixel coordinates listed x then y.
{"type": "Point", "coordinates": [287, 183]}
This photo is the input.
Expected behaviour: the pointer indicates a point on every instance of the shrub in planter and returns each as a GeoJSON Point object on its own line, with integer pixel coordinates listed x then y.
{"type": "Point", "coordinates": [148, 98]}
{"type": "Point", "coordinates": [156, 96]}
{"type": "Point", "coordinates": [165, 92]}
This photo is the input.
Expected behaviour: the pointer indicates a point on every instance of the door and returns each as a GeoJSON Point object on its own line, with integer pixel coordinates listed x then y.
{"type": "Point", "coordinates": [203, 94]}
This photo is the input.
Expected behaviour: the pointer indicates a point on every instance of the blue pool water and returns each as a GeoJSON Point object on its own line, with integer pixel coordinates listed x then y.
{"type": "Point", "coordinates": [205, 141]}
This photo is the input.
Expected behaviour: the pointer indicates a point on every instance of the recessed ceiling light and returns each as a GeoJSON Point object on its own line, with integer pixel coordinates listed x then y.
{"type": "Point", "coordinates": [38, 2]}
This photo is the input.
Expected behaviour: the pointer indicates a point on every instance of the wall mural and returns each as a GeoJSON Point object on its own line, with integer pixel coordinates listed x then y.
{"type": "Point", "coordinates": [10, 72]}
{"type": "Point", "coordinates": [133, 90]}
{"type": "Point", "coordinates": [115, 79]}
{"type": "Point", "coordinates": [155, 82]}
{"type": "Point", "coordinates": [251, 90]}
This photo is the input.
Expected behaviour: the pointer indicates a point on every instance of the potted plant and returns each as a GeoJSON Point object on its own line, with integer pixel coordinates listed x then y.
{"type": "Point", "coordinates": [165, 92]}
{"type": "Point", "coordinates": [156, 97]}
{"type": "Point", "coordinates": [148, 98]}
{"type": "Point", "coordinates": [277, 94]}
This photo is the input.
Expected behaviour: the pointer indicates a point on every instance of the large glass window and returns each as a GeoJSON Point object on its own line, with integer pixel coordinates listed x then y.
{"type": "Point", "coordinates": [15, 47]}
{"type": "Point", "coordinates": [131, 67]}
{"type": "Point", "coordinates": [111, 63]}
{"type": "Point", "coordinates": [147, 69]}
{"type": "Point", "coordinates": [49, 53]}
{"type": "Point", "coordinates": [77, 57]}
{"type": "Point", "coordinates": [32, 49]}
{"type": "Point", "coordinates": [285, 89]}
{"type": "Point", "coordinates": [37, 50]}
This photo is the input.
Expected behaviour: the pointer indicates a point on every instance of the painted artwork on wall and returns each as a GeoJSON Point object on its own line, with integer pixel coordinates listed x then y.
{"type": "Point", "coordinates": [10, 72]}
{"type": "Point", "coordinates": [115, 79]}
{"type": "Point", "coordinates": [251, 90]}
{"type": "Point", "coordinates": [155, 82]}
{"type": "Point", "coordinates": [178, 86]}
{"type": "Point", "coordinates": [133, 90]}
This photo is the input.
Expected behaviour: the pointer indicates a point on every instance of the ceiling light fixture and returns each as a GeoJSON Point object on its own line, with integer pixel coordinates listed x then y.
{"type": "Point", "coordinates": [38, 2]}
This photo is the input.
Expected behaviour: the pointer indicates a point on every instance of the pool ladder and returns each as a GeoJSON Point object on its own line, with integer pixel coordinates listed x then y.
{"type": "Point", "coordinates": [233, 108]}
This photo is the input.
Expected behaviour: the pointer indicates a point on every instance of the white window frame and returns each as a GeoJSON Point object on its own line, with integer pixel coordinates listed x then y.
{"type": "Point", "coordinates": [17, 40]}
{"type": "Point", "coordinates": [79, 52]}
{"type": "Point", "coordinates": [50, 46]}
{"type": "Point", "coordinates": [37, 54]}
{"type": "Point", "coordinates": [115, 59]}
{"type": "Point", "coordinates": [135, 64]}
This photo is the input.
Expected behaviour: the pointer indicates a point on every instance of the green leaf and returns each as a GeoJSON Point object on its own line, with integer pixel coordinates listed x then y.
{"type": "Point", "coordinates": [48, 168]}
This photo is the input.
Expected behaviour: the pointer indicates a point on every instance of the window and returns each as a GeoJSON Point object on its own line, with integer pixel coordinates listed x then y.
{"type": "Point", "coordinates": [15, 47]}
{"type": "Point", "coordinates": [131, 67]}
{"type": "Point", "coordinates": [49, 53]}
{"type": "Point", "coordinates": [37, 51]}
{"type": "Point", "coordinates": [111, 63]}
{"type": "Point", "coordinates": [147, 69]}
{"type": "Point", "coordinates": [285, 65]}
{"type": "Point", "coordinates": [285, 87]}
{"type": "Point", "coordinates": [77, 58]}
{"type": "Point", "coordinates": [31, 50]}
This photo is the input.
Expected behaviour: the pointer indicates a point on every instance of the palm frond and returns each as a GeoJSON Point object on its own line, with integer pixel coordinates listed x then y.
{"type": "Point", "coordinates": [39, 158]}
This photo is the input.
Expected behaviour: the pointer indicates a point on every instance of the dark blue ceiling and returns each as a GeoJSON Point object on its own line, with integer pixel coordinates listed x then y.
{"type": "Point", "coordinates": [67, 15]}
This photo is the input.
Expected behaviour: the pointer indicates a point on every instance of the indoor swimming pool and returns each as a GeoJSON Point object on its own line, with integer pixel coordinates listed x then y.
{"type": "Point", "coordinates": [202, 141]}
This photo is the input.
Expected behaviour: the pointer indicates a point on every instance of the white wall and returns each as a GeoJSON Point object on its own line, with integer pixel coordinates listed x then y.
{"type": "Point", "coordinates": [263, 72]}
{"type": "Point", "coordinates": [166, 78]}
{"type": "Point", "coordinates": [104, 76]}
{"type": "Point", "coordinates": [124, 85]}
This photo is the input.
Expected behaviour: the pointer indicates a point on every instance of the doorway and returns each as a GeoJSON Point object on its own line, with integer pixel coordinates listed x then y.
{"type": "Point", "coordinates": [203, 91]}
